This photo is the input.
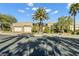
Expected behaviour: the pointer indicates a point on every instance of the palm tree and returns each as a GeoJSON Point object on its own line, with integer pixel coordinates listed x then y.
{"type": "Point", "coordinates": [40, 15]}
{"type": "Point", "coordinates": [74, 8]}
{"type": "Point", "coordinates": [61, 23]}
{"type": "Point", "coordinates": [64, 23]}
{"type": "Point", "coordinates": [68, 23]}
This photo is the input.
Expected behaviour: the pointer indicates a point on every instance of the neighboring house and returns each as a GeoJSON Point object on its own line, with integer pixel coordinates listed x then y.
{"type": "Point", "coordinates": [71, 27]}
{"type": "Point", "coordinates": [50, 24]}
{"type": "Point", "coordinates": [25, 27]}
{"type": "Point", "coordinates": [76, 27]}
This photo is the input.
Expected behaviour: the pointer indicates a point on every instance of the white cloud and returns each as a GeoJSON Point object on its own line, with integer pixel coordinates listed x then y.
{"type": "Point", "coordinates": [68, 5]}
{"type": "Point", "coordinates": [27, 8]}
{"type": "Point", "coordinates": [34, 8]}
{"type": "Point", "coordinates": [32, 14]}
{"type": "Point", "coordinates": [55, 12]}
{"type": "Point", "coordinates": [21, 11]}
{"type": "Point", "coordinates": [48, 10]}
{"type": "Point", "coordinates": [30, 4]}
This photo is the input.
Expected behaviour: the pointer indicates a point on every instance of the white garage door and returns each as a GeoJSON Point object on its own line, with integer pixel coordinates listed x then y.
{"type": "Point", "coordinates": [27, 29]}
{"type": "Point", "coordinates": [18, 29]}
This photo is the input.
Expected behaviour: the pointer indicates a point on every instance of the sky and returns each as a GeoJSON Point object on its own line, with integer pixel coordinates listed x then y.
{"type": "Point", "coordinates": [23, 11]}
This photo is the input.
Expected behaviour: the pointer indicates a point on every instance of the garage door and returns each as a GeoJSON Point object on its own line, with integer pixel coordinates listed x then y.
{"type": "Point", "coordinates": [18, 29]}
{"type": "Point", "coordinates": [27, 29]}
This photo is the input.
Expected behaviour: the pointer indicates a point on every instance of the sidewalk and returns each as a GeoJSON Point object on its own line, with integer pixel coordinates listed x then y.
{"type": "Point", "coordinates": [7, 33]}
{"type": "Point", "coordinates": [58, 35]}
{"type": "Point", "coordinates": [67, 35]}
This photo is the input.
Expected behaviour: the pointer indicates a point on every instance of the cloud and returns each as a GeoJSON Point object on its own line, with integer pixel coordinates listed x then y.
{"type": "Point", "coordinates": [32, 14]}
{"type": "Point", "coordinates": [48, 10]}
{"type": "Point", "coordinates": [55, 12]}
{"type": "Point", "coordinates": [30, 4]}
{"type": "Point", "coordinates": [27, 8]}
{"type": "Point", "coordinates": [34, 8]}
{"type": "Point", "coordinates": [21, 11]}
{"type": "Point", "coordinates": [68, 5]}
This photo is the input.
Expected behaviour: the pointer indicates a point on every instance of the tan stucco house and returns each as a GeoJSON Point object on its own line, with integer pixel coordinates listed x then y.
{"type": "Point", "coordinates": [26, 27]}
{"type": "Point", "coordinates": [22, 27]}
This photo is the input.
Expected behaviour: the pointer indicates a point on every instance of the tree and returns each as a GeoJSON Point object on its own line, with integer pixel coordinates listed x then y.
{"type": "Point", "coordinates": [6, 21]}
{"type": "Point", "coordinates": [68, 23]}
{"type": "Point", "coordinates": [46, 29]}
{"type": "Point", "coordinates": [40, 15]}
{"type": "Point", "coordinates": [55, 27]}
{"type": "Point", "coordinates": [63, 23]}
{"type": "Point", "coordinates": [74, 8]}
{"type": "Point", "coordinates": [35, 27]}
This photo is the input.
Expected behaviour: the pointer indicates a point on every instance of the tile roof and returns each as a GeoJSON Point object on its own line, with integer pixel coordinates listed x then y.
{"type": "Point", "coordinates": [22, 24]}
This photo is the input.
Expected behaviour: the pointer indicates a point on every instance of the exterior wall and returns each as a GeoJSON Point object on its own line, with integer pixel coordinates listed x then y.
{"type": "Point", "coordinates": [76, 27]}
{"type": "Point", "coordinates": [17, 30]}
{"type": "Point", "coordinates": [50, 24]}
{"type": "Point", "coordinates": [22, 27]}
{"type": "Point", "coordinates": [28, 29]}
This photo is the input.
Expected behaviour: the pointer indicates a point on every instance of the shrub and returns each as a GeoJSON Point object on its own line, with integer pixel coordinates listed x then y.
{"type": "Point", "coordinates": [77, 32]}
{"type": "Point", "coordinates": [69, 31]}
{"type": "Point", "coordinates": [34, 30]}
{"type": "Point", "coordinates": [46, 29]}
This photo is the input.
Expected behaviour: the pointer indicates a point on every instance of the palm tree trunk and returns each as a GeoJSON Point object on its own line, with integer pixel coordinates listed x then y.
{"type": "Point", "coordinates": [2, 27]}
{"type": "Point", "coordinates": [74, 23]}
{"type": "Point", "coordinates": [40, 26]}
